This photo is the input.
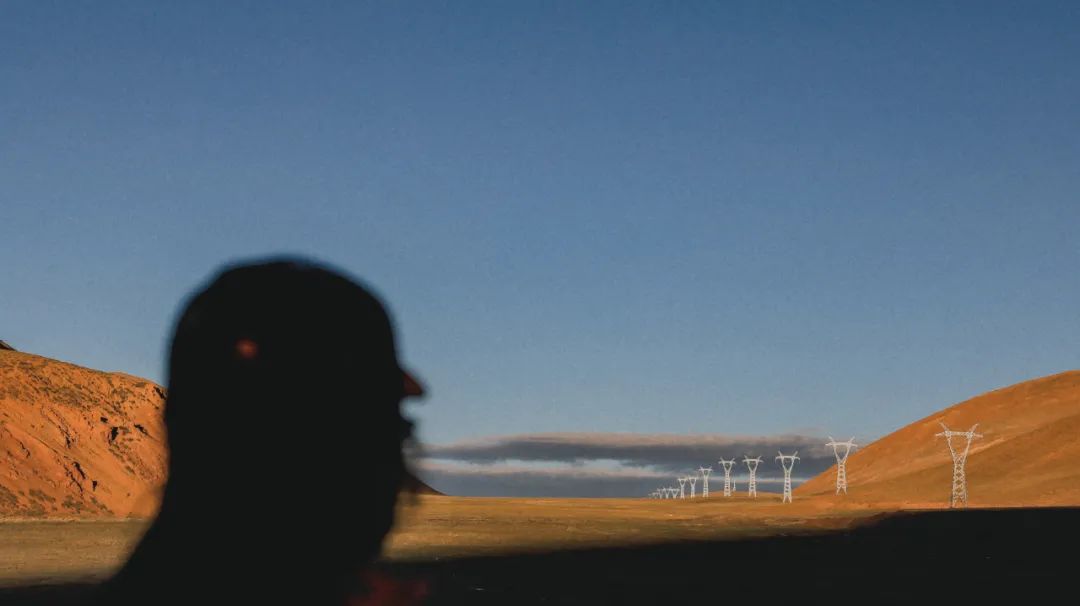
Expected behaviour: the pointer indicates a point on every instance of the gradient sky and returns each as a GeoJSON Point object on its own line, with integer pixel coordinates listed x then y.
{"type": "Point", "coordinates": [668, 217]}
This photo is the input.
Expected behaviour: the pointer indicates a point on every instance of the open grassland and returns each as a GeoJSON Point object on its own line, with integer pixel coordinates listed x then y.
{"type": "Point", "coordinates": [443, 527]}
{"type": "Point", "coordinates": [603, 552]}
{"type": "Point", "coordinates": [47, 551]}
{"type": "Point", "coordinates": [438, 528]}
{"type": "Point", "coordinates": [432, 528]}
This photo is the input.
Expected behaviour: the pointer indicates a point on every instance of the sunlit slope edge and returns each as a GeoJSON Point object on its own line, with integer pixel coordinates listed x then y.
{"type": "Point", "coordinates": [76, 441]}
{"type": "Point", "coordinates": [1027, 456]}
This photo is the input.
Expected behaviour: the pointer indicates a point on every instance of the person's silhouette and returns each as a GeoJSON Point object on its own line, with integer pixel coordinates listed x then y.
{"type": "Point", "coordinates": [285, 436]}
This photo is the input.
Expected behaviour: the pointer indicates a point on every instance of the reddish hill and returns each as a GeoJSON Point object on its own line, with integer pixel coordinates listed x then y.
{"type": "Point", "coordinates": [77, 442]}
{"type": "Point", "coordinates": [1027, 454]}
{"type": "Point", "coordinates": [81, 442]}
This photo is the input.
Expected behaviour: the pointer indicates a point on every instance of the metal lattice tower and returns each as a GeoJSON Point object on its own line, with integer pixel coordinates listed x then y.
{"type": "Point", "coordinates": [841, 461]}
{"type": "Point", "coordinates": [705, 471]}
{"type": "Point", "coordinates": [693, 486]}
{"type": "Point", "coordinates": [752, 464]}
{"type": "Point", "coordinates": [682, 487]}
{"type": "Point", "coordinates": [959, 458]}
{"type": "Point", "coordinates": [788, 463]}
{"type": "Point", "coordinates": [727, 475]}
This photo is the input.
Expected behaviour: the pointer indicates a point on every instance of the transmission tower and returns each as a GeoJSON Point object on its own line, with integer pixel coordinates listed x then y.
{"type": "Point", "coordinates": [959, 458]}
{"type": "Point", "coordinates": [705, 471]}
{"type": "Point", "coordinates": [788, 463]}
{"type": "Point", "coordinates": [682, 487]}
{"type": "Point", "coordinates": [841, 461]}
{"type": "Point", "coordinates": [693, 484]}
{"type": "Point", "coordinates": [727, 475]}
{"type": "Point", "coordinates": [752, 464]}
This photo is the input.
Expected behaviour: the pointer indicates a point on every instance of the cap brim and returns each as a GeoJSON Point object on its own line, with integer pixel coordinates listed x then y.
{"type": "Point", "coordinates": [413, 388]}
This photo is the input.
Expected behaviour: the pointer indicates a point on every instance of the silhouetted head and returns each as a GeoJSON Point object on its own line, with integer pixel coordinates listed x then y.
{"type": "Point", "coordinates": [285, 429]}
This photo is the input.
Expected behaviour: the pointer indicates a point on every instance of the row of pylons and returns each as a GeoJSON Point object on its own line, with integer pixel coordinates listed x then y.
{"type": "Point", "coordinates": [958, 497]}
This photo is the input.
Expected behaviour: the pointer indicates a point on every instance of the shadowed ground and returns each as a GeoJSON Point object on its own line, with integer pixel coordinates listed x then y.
{"type": "Point", "coordinates": [913, 557]}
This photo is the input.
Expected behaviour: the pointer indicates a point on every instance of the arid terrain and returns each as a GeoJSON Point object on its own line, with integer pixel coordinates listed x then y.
{"type": "Point", "coordinates": [524, 551]}
{"type": "Point", "coordinates": [1025, 457]}
{"type": "Point", "coordinates": [82, 459]}
{"type": "Point", "coordinates": [77, 442]}
{"type": "Point", "coordinates": [435, 528]}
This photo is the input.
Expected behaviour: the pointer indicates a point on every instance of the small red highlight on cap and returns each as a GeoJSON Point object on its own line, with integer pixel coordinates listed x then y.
{"type": "Point", "coordinates": [246, 349]}
{"type": "Point", "coordinates": [413, 387]}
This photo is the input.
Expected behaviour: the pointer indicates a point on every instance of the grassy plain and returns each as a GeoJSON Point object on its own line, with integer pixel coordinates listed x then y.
{"type": "Point", "coordinates": [436, 528]}
{"type": "Point", "coordinates": [48, 551]}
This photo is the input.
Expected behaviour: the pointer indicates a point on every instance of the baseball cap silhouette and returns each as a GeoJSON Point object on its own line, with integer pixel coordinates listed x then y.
{"type": "Point", "coordinates": [285, 435]}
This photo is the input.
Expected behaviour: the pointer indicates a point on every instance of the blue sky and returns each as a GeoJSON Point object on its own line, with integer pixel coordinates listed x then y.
{"type": "Point", "coordinates": [669, 217]}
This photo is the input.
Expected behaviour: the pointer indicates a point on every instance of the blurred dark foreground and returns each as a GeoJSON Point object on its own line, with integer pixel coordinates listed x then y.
{"type": "Point", "coordinates": [937, 557]}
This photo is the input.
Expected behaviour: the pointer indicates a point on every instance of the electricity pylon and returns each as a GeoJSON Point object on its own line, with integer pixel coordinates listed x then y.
{"type": "Point", "coordinates": [693, 484]}
{"type": "Point", "coordinates": [682, 487]}
{"type": "Point", "coordinates": [727, 475]}
{"type": "Point", "coordinates": [752, 464]}
{"type": "Point", "coordinates": [959, 458]}
{"type": "Point", "coordinates": [788, 463]}
{"type": "Point", "coordinates": [705, 471]}
{"type": "Point", "coordinates": [841, 461]}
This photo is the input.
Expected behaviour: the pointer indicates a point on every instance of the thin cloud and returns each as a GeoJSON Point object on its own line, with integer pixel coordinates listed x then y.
{"type": "Point", "coordinates": [605, 464]}
{"type": "Point", "coordinates": [664, 451]}
{"type": "Point", "coordinates": [520, 481]}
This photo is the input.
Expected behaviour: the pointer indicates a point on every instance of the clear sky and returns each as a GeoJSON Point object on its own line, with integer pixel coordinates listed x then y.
{"type": "Point", "coordinates": [739, 218]}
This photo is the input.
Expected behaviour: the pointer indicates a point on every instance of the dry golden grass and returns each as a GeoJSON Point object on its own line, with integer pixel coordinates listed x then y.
{"type": "Point", "coordinates": [439, 527]}
{"type": "Point", "coordinates": [50, 551]}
